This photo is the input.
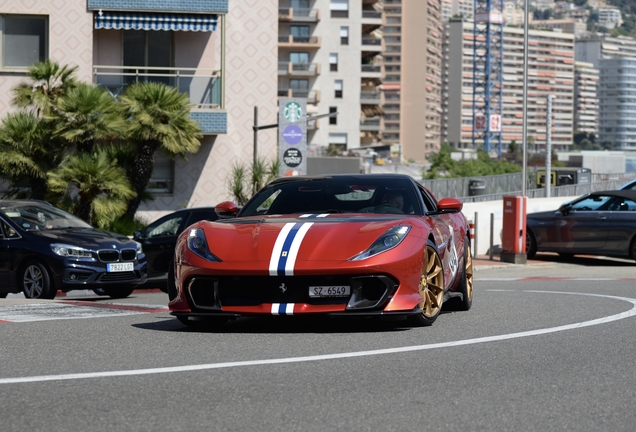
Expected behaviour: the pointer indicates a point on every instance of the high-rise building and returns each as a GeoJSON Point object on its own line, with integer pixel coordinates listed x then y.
{"type": "Point", "coordinates": [615, 58]}
{"type": "Point", "coordinates": [458, 9]}
{"type": "Point", "coordinates": [412, 76]}
{"type": "Point", "coordinates": [585, 98]}
{"type": "Point", "coordinates": [550, 72]}
{"type": "Point", "coordinates": [329, 51]}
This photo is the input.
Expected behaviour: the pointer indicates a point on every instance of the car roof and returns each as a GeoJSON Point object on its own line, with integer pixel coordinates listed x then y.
{"type": "Point", "coordinates": [629, 194]}
{"type": "Point", "coordinates": [21, 203]}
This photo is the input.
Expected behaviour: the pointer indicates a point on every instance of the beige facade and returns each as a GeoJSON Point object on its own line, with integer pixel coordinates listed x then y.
{"type": "Point", "coordinates": [571, 25]}
{"type": "Point", "coordinates": [412, 77]}
{"type": "Point", "coordinates": [586, 80]}
{"type": "Point", "coordinates": [329, 51]}
{"type": "Point", "coordinates": [550, 72]}
{"type": "Point", "coordinates": [248, 56]}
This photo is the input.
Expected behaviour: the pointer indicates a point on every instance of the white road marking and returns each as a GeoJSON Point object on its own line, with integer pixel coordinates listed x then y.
{"type": "Point", "coordinates": [59, 311]}
{"type": "Point", "coordinates": [225, 365]}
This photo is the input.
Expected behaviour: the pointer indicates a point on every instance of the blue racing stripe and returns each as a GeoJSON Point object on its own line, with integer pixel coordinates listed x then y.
{"type": "Point", "coordinates": [281, 308]}
{"type": "Point", "coordinates": [286, 247]}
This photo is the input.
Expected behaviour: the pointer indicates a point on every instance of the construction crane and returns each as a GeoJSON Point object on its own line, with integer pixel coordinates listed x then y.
{"type": "Point", "coordinates": [488, 74]}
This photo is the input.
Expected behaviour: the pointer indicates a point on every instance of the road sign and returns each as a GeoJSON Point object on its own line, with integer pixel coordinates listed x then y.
{"type": "Point", "coordinates": [292, 136]}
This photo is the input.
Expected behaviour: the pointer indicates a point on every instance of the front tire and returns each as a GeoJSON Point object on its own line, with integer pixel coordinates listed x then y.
{"type": "Point", "coordinates": [431, 288]}
{"type": "Point", "coordinates": [36, 282]}
{"type": "Point", "coordinates": [118, 292]}
{"type": "Point", "coordinates": [531, 244]}
{"type": "Point", "coordinates": [466, 280]}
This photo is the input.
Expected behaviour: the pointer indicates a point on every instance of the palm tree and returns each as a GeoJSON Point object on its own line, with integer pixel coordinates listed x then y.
{"type": "Point", "coordinates": [158, 117]}
{"type": "Point", "coordinates": [48, 82]}
{"type": "Point", "coordinates": [28, 152]}
{"type": "Point", "coordinates": [245, 182]}
{"type": "Point", "coordinates": [95, 185]}
{"type": "Point", "coordinates": [87, 114]}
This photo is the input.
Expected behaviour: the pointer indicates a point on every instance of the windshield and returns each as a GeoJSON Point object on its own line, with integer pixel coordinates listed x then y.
{"type": "Point", "coordinates": [335, 195]}
{"type": "Point", "coordinates": [38, 217]}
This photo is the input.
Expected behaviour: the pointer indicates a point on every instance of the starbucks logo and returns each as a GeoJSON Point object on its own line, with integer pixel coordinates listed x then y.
{"type": "Point", "coordinates": [293, 112]}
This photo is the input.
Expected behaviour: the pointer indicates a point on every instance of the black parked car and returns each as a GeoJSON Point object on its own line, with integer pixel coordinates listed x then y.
{"type": "Point", "coordinates": [44, 249]}
{"type": "Point", "coordinates": [160, 237]}
{"type": "Point", "coordinates": [600, 223]}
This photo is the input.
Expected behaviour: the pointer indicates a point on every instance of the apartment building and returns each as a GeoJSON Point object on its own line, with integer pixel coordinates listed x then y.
{"type": "Point", "coordinates": [513, 14]}
{"type": "Point", "coordinates": [458, 8]}
{"type": "Point", "coordinates": [586, 78]}
{"type": "Point", "coordinates": [222, 54]}
{"type": "Point", "coordinates": [550, 72]}
{"type": "Point", "coordinates": [617, 102]}
{"type": "Point", "coordinates": [592, 47]}
{"type": "Point", "coordinates": [411, 83]}
{"type": "Point", "coordinates": [609, 17]}
{"type": "Point", "coordinates": [329, 51]}
{"type": "Point", "coordinates": [569, 25]}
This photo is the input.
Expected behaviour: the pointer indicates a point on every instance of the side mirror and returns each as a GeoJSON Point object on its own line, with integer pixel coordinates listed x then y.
{"type": "Point", "coordinates": [137, 235]}
{"type": "Point", "coordinates": [565, 208]}
{"type": "Point", "coordinates": [226, 210]}
{"type": "Point", "coordinates": [450, 205]}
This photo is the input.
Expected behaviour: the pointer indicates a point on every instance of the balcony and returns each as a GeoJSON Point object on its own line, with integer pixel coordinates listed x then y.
{"type": "Point", "coordinates": [203, 87]}
{"type": "Point", "coordinates": [313, 96]}
{"type": "Point", "coordinates": [370, 124]}
{"type": "Point", "coordinates": [299, 41]}
{"type": "Point", "coordinates": [371, 44]}
{"type": "Point", "coordinates": [371, 97]}
{"type": "Point", "coordinates": [298, 69]}
{"type": "Point", "coordinates": [371, 71]}
{"type": "Point", "coordinates": [299, 15]}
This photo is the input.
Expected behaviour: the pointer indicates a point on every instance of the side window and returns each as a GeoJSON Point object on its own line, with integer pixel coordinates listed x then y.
{"type": "Point", "coordinates": [430, 203]}
{"type": "Point", "coordinates": [165, 228]}
{"type": "Point", "coordinates": [23, 40]}
{"type": "Point", "coordinates": [593, 203]}
{"type": "Point", "coordinates": [6, 231]}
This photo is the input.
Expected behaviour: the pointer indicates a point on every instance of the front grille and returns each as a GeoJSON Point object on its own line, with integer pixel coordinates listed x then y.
{"type": "Point", "coordinates": [256, 290]}
{"type": "Point", "coordinates": [108, 255]}
{"type": "Point", "coordinates": [128, 254]}
{"type": "Point", "coordinates": [119, 277]}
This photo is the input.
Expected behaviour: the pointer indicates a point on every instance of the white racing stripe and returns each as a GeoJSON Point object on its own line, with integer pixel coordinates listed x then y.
{"type": "Point", "coordinates": [225, 365]}
{"type": "Point", "coordinates": [278, 248]}
{"type": "Point", "coordinates": [293, 250]}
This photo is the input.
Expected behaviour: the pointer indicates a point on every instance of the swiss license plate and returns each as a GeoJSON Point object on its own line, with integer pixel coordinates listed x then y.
{"type": "Point", "coordinates": [119, 267]}
{"type": "Point", "coordinates": [329, 291]}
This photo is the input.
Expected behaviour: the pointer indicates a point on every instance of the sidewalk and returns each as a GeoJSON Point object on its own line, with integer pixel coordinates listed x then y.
{"type": "Point", "coordinates": [482, 262]}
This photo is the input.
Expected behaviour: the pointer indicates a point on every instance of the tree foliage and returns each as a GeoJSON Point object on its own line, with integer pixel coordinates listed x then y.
{"type": "Point", "coordinates": [443, 165]}
{"type": "Point", "coordinates": [245, 181]}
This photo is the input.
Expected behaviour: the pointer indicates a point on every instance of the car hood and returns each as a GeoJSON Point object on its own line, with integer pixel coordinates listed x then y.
{"type": "Point", "coordinates": [85, 237]}
{"type": "Point", "coordinates": [330, 238]}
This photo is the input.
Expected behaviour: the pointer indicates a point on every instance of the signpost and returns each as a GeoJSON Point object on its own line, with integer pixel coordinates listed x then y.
{"type": "Point", "coordinates": [292, 136]}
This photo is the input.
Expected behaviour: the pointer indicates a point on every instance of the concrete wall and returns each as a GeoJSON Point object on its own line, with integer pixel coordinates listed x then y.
{"type": "Point", "coordinates": [484, 210]}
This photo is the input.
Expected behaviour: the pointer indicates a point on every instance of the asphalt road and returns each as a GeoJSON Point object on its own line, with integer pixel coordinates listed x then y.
{"type": "Point", "coordinates": [545, 347]}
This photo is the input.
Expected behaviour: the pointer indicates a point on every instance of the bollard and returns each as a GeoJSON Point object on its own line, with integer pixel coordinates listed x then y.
{"type": "Point", "coordinates": [471, 226]}
{"type": "Point", "coordinates": [492, 230]}
{"type": "Point", "coordinates": [476, 252]}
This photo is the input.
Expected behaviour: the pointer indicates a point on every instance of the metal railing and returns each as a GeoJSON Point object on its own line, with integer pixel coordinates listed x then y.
{"type": "Point", "coordinates": [203, 86]}
{"type": "Point", "coordinates": [371, 68]}
{"type": "Point", "coordinates": [371, 41]}
{"type": "Point", "coordinates": [299, 39]}
{"type": "Point", "coordinates": [371, 14]}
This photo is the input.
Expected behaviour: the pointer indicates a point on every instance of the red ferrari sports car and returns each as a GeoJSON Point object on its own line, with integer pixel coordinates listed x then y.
{"type": "Point", "coordinates": [346, 245]}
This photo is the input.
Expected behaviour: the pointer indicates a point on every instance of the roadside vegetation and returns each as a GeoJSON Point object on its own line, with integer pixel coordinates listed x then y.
{"type": "Point", "coordinates": [75, 145]}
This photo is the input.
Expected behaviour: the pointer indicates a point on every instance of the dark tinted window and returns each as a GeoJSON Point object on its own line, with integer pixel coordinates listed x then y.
{"type": "Point", "coordinates": [202, 215]}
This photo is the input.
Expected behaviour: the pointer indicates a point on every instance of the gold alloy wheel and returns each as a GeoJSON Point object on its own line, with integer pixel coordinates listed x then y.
{"type": "Point", "coordinates": [469, 272]}
{"type": "Point", "coordinates": [432, 283]}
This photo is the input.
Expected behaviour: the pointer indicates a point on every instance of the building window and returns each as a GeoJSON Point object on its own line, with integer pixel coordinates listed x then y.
{"type": "Point", "coordinates": [162, 178]}
{"type": "Point", "coordinates": [333, 120]}
{"type": "Point", "coordinates": [344, 35]}
{"type": "Point", "coordinates": [24, 40]}
{"type": "Point", "coordinates": [300, 87]}
{"type": "Point", "coordinates": [338, 141]}
{"type": "Point", "coordinates": [333, 62]}
{"type": "Point", "coordinates": [148, 48]}
{"type": "Point", "coordinates": [338, 89]}
{"type": "Point", "coordinates": [339, 8]}
{"type": "Point", "coordinates": [300, 33]}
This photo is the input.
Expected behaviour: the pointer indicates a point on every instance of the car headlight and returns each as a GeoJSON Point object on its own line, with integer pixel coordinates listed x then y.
{"type": "Point", "coordinates": [390, 239]}
{"type": "Point", "coordinates": [65, 250]}
{"type": "Point", "coordinates": [140, 249]}
{"type": "Point", "coordinates": [199, 245]}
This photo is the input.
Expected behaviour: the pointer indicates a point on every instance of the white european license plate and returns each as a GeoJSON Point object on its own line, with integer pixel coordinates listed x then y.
{"type": "Point", "coordinates": [329, 291]}
{"type": "Point", "coordinates": [119, 267]}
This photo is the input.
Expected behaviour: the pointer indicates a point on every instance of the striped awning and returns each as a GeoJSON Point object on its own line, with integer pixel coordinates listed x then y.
{"type": "Point", "coordinates": [155, 21]}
